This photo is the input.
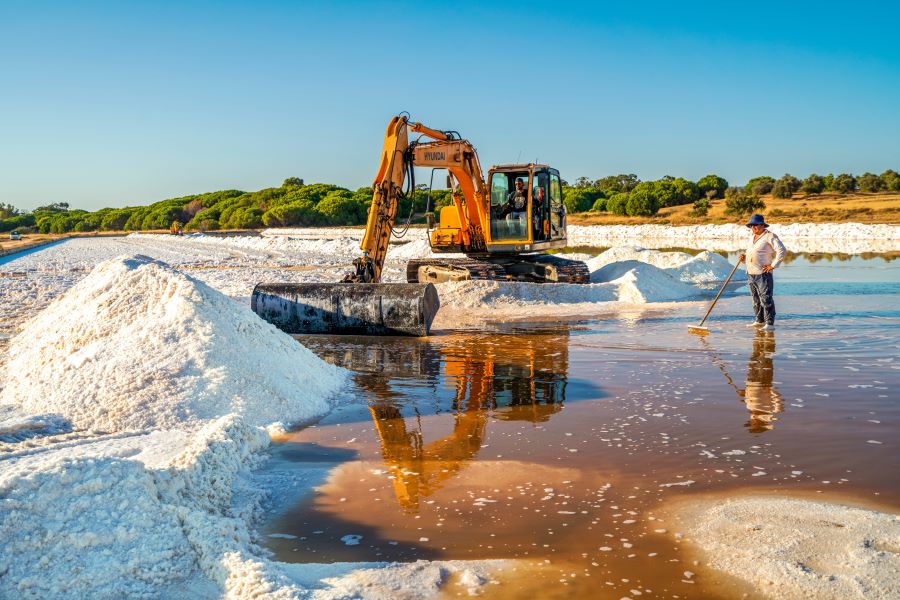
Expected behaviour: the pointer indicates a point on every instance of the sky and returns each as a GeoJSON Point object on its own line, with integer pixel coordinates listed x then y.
{"type": "Point", "coordinates": [126, 103]}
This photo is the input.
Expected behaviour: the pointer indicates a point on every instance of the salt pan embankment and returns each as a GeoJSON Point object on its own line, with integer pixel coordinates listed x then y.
{"type": "Point", "coordinates": [798, 237]}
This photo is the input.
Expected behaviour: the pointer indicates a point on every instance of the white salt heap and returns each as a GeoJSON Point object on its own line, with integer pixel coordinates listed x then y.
{"type": "Point", "coordinates": [186, 377]}
{"type": "Point", "coordinates": [137, 344]}
{"type": "Point", "coordinates": [795, 548]}
{"type": "Point", "coordinates": [626, 274]}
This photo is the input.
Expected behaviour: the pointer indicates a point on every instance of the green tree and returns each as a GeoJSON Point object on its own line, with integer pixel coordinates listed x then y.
{"type": "Point", "coordinates": [8, 210]}
{"type": "Point", "coordinates": [613, 184]}
{"type": "Point", "coordinates": [599, 205]}
{"type": "Point", "coordinates": [685, 191]}
{"type": "Point", "coordinates": [814, 184]}
{"type": "Point", "coordinates": [712, 186]}
{"type": "Point", "coordinates": [292, 182]}
{"type": "Point", "coordinates": [844, 183]}
{"type": "Point", "coordinates": [743, 204]}
{"type": "Point", "coordinates": [760, 185]}
{"type": "Point", "coordinates": [786, 186]}
{"type": "Point", "coordinates": [828, 180]}
{"type": "Point", "coordinates": [890, 180]}
{"type": "Point", "coordinates": [869, 182]}
{"type": "Point", "coordinates": [341, 208]}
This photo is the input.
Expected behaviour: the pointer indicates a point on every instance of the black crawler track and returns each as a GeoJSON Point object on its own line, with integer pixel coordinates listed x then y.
{"type": "Point", "coordinates": [532, 269]}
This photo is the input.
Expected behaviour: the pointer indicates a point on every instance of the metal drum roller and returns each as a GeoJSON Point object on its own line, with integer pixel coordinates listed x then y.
{"type": "Point", "coordinates": [348, 308]}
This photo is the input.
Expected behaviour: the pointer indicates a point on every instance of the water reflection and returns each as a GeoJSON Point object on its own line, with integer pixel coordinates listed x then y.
{"type": "Point", "coordinates": [761, 397]}
{"type": "Point", "coordinates": [512, 378]}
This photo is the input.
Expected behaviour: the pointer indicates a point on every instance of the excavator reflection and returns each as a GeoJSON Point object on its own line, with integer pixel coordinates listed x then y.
{"type": "Point", "coordinates": [510, 378]}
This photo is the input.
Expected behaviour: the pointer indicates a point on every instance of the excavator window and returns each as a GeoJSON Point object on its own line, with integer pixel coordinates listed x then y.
{"type": "Point", "coordinates": [557, 211]}
{"type": "Point", "coordinates": [507, 224]}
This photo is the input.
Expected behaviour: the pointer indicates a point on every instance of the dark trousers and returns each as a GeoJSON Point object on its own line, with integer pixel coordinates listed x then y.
{"type": "Point", "coordinates": [761, 288]}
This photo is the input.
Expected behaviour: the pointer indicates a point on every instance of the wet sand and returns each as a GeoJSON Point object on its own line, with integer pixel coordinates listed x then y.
{"type": "Point", "coordinates": [558, 445]}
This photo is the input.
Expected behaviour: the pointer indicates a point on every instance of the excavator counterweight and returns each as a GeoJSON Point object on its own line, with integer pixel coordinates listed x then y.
{"type": "Point", "coordinates": [501, 226]}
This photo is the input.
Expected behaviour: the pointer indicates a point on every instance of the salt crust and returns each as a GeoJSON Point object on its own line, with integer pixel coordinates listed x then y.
{"type": "Point", "coordinates": [796, 548]}
{"type": "Point", "coordinates": [137, 345]}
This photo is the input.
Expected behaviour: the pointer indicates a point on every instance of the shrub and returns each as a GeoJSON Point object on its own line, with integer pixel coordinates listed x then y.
{"type": "Point", "coordinates": [599, 205]}
{"type": "Point", "coordinates": [580, 199]}
{"type": "Point", "coordinates": [782, 189]}
{"type": "Point", "coordinates": [641, 203]}
{"type": "Point", "coordinates": [743, 204]}
{"type": "Point", "coordinates": [616, 204]}
{"type": "Point", "coordinates": [700, 208]}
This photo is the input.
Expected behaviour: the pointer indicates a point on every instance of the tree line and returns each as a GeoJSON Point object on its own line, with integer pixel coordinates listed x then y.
{"type": "Point", "coordinates": [320, 204]}
{"type": "Point", "coordinates": [626, 195]}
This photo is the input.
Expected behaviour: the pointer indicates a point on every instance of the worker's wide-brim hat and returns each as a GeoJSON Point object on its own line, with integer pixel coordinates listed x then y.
{"type": "Point", "coordinates": [757, 220]}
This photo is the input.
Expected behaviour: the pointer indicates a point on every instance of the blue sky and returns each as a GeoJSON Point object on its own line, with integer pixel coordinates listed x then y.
{"type": "Point", "coordinates": [114, 104]}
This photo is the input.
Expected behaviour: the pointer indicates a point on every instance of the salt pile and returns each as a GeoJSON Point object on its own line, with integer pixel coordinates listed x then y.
{"type": "Point", "coordinates": [706, 267]}
{"type": "Point", "coordinates": [794, 548]}
{"type": "Point", "coordinates": [137, 344]}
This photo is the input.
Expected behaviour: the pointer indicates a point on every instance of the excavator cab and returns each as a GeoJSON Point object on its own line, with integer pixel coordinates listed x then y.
{"type": "Point", "coordinates": [526, 208]}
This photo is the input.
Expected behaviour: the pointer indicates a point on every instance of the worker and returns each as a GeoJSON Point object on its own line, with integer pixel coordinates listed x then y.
{"type": "Point", "coordinates": [764, 253]}
{"type": "Point", "coordinates": [517, 201]}
{"type": "Point", "coordinates": [762, 399]}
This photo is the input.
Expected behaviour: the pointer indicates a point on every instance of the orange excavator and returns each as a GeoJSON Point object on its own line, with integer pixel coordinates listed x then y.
{"type": "Point", "coordinates": [502, 227]}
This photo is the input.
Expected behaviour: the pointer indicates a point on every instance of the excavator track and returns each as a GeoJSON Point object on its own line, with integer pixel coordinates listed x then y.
{"type": "Point", "coordinates": [540, 268]}
{"type": "Point", "coordinates": [567, 271]}
{"type": "Point", "coordinates": [454, 269]}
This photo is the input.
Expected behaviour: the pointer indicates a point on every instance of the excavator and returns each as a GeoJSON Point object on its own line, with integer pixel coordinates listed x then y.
{"type": "Point", "coordinates": [501, 227]}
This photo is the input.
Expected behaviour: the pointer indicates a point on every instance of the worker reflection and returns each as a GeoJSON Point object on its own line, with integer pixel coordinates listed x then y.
{"type": "Point", "coordinates": [526, 382]}
{"type": "Point", "coordinates": [762, 399]}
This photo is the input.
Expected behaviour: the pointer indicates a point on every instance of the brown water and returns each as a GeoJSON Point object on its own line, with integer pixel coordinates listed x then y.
{"type": "Point", "coordinates": [557, 444]}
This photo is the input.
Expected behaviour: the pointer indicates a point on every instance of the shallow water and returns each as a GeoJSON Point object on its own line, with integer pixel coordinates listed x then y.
{"type": "Point", "coordinates": [556, 444]}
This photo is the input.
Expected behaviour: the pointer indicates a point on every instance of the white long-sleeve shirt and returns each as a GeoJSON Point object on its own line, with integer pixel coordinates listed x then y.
{"type": "Point", "coordinates": [766, 250]}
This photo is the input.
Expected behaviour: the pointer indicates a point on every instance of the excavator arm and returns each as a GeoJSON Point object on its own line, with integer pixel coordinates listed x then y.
{"type": "Point", "coordinates": [398, 157]}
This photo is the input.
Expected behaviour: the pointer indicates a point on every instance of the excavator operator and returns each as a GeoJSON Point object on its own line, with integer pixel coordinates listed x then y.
{"type": "Point", "coordinates": [517, 201]}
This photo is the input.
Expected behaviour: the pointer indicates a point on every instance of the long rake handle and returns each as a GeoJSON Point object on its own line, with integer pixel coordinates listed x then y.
{"type": "Point", "coordinates": [716, 299]}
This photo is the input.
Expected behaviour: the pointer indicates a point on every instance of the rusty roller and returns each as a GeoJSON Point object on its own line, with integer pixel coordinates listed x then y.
{"type": "Point", "coordinates": [347, 308]}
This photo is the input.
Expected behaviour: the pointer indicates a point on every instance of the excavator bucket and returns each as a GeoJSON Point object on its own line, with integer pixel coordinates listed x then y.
{"type": "Point", "coordinates": [348, 308]}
